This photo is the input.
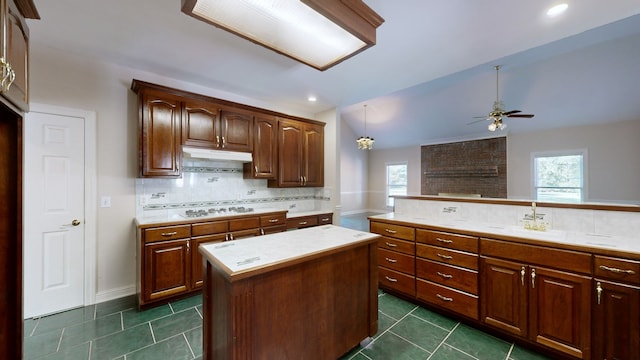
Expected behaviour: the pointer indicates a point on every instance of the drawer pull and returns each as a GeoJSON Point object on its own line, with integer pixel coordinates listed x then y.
{"type": "Point", "coordinates": [391, 260]}
{"type": "Point", "coordinates": [325, 219]}
{"type": "Point", "coordinates": [446, 241]}
{"type": "Point", "coordinates": [444, 298]}
{"type": "Point", "coordinates": [390, 244]}
{"type": "Point", "coordinates": [444, 256]}
{"type": "Point", "coordinates": [616, 270]}
{"type": "Point", "coordinates": [599, 291]}
{"type": "Point", "coordinates": [302, 223]}
{"type": "Point", "coordinates": [446, 276]}
{"type": "Point", "coordinates": [169, 233]}
{"type": "Point", "coordinates": [273, 220]}
{"type": "Point", "coordinates": [391, 279]}
{"type": "Point", "coordinates": [390, 231]}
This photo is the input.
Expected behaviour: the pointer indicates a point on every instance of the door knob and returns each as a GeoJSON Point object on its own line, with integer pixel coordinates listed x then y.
{"type": "Point", "coordinates": [75, 222]}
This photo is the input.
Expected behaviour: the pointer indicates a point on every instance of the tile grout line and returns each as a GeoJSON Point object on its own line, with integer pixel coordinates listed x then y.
{"type": "Point", "coordinates": [510, 351]}
{"type": "Point", "coordinates": [35, 327]}
{"type": "Point", "coordinates": [443, 340]}
{"type": "Point", "coordinates": [153, 336]}
{"type": "Point", "coordinates": [60, 339]}
{"type": "Point", "coordinates": [184, 335]}
{"type": "Point", "coordinates": [121, 321]}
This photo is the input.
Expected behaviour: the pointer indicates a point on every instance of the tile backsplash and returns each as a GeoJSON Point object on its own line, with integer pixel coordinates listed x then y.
{"type": "Point", "coordinates": [600, 222]}
{"type": "Point", "coordinates": [219, 184]}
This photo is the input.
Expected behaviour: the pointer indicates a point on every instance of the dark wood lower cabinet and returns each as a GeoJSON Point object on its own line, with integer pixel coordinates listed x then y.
{"type": "Point", "coordinates": [11, 322]}
{"type": "Point", "coordinates": [167, 268]}
{"type": "Point", "coordinates": [616, 321]}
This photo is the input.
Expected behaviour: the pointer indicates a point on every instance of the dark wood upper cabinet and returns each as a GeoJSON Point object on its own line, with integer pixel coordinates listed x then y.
{"type": "Point", "coordinates": [300, 154]}
{"type": "Point", "coordinates": [265, 148]}
{"type": "Point", "coordinates": [199, 124]}
{"type": "Point", "coordinates": [236, 128]}
{"type": "Point", "coordinates": [160, 150]}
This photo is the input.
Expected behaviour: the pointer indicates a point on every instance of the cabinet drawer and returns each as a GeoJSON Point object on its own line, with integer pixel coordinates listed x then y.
{"type": "Point", "coordinates": [617, 269]}
{"type": "Point", "coordinates": [402, 246]}
{"type": "Point", "coordinates": [396, 261]}
{"type": "Point", "coordinates": [167, 233]}
{"type": "Point", "coordinates": [244, 223]}
{"type": "Point", "coordinates": [396, 231]}
{"type": "Point", "coordinates": [272, 220]}
{"type": "Point", "coordinates": [451, 276]}
{"type": "Point", "coordinates": [451, 299]}
{"type": "Point", "coordinates": [209, 228]}
{"type": "Point", "coordinates": [448, 240]}
{"type": "Point", "coordinates": [397, 281]}
{"type": "Point", "coordinates": [453, 257]}
{"type": "Point", "coordinates": [302, 222]}
{"type": "Point", "coordinates": [324, 219]}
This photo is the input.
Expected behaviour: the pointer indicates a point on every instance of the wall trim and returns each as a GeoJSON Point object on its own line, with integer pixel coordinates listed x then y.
{"type": "Point", "coordinates": [117, 293]}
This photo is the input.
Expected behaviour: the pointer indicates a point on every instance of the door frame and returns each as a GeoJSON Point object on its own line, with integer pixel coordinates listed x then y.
{"type": "Point", "coordinates": [90, 191]}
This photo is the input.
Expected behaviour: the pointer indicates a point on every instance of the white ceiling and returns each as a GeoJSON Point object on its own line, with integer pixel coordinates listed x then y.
{"type": "Point", "coordinates": [430, 72]}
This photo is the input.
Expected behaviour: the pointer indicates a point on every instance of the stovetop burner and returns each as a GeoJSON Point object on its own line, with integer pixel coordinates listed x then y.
{"type": "Point", "coordinates": [220, 211]}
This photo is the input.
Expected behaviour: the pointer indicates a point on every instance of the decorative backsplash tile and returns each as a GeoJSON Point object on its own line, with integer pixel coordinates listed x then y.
{"type": "Point", "coordinates": [210, 184]}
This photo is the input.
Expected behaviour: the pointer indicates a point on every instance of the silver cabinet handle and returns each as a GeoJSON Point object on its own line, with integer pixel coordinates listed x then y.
{"type": "Point", "coordinates": [391, 279]}
{"type": "Point", "coordinates": [522, 273]}
{"type": "Point", "coordinates": [533, 278]}
{"type": "Point", "coordinates": [325, 219]}
{"type": "Point", "coordinates": [256, 169]}
{"type": "Point", "coordinates": [188, 245]}
{"type": "Point", "coordinates": [444, 256]}
{"type": "Point", "coordinates": [617, 271]}
{"type": "Point", "coordinates": [444, 298]}
{"type": "Point", "coordinates": [273, 220]}
{"type": "Point", "coordinates": [390, 231]}
{"type": "Point", "coordinates": [390, 244]}
{"type": "Point", "coordinates": [599, 291]}
{"type": "Point", "coordinates": [217, 140]}
{"type": "Point", "coordinates": [303, 223]}
{"type": "Point", "coordinates": [393, 261]}
{"type": "Point", "coordinates": [446, 276]}
{"type": "Point", "coordinates": [446, 241]}
{"type": "Point", "coordinates": [169, 233]}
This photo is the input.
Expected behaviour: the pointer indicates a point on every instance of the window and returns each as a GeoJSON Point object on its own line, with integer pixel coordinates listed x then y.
{"type": "Point", "coordinates": [559, 177]}
{"type": "Point", "coordinates": [396, 181]}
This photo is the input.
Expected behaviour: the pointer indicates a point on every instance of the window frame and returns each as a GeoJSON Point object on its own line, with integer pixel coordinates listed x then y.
{"type": "Point", "coordinates": [559, 153]}
{"type": "Point", "coordinates": [389, 202]}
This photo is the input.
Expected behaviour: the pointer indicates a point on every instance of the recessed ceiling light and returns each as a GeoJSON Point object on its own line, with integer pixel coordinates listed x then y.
{"type": "Point", "coordinates": [312, 98]}
{"type": "Point", "coordinates": [557, 9]}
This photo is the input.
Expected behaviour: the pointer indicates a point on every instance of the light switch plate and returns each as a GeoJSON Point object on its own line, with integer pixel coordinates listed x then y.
{"type": "Point", "coordinates": [105, 201]}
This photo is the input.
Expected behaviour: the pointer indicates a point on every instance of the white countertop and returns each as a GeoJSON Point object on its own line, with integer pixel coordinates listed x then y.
{"type": "Point", "coordinates": [244, 255]}
{"type": "Point", "coordinates": [601, 241]}
{"type": "Point", "coordinates": [180, 217]}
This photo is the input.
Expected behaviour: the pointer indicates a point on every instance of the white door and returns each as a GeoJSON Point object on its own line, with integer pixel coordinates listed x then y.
{"type": "Point", "coordinates": [53, 213]}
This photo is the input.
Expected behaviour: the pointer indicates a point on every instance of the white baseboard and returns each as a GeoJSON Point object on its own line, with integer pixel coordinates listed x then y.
{"type": "Point", "coordinates": [115, 293]}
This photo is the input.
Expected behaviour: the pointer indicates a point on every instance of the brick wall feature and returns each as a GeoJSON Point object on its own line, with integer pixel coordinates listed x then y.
{"type": "Point", "coordinates": [466, 167]}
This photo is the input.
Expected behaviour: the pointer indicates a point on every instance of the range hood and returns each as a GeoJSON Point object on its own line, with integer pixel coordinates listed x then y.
{"type": "Point", "coordinates": [200, 153]}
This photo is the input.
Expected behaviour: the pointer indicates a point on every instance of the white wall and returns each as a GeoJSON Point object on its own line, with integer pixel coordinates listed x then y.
{"type": "Point", "coordinates": [378, 159]}
{"type": "Point", "coordinates": [64, 79]}
{"type": "Point", "coordinates": [612, 154]}
{"type": "Point", "coordinates": [354, 171]}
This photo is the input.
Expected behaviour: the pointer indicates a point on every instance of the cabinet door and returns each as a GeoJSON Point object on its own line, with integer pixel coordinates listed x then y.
{"type": "Point", "coordinates": [200, 124]}
{"type": "Point", "coordinates": [236, 130]}
{"type": "Point", "coordinates": [504, 295]}
{"type": "Point", "coordinates": [197, 274]}
{"type": "Point", "coordinates": [16, 54]}
{"type": "Point", "coordinates": [313, 155]}
{"type": "Point", "coordinates": [560, 311]}
{"type": "Point", "coordinates": [265, 148]}
{"type": "Point", "coordinates": [166, 269]}
{"type": "Point", "coordinates": [160, 152]}
{"type": "Point", "coordinates": [616, 321]}
{"type": "Point", "coordinates": [290, 153]}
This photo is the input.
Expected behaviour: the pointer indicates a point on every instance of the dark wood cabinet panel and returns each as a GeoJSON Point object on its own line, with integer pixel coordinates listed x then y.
{"type": "Point", "coordinates": [167, 268]}
{"type": "Point", "coordinates": [160, 152]}
{"type": "Point", "coordinates": [265, 149]}
{"type": "Point", "coordinates": [448, 298]}
{"type": "Point", "coordinates": [197, 272]}
{"type": "Point", "coordinates": [200, 124]}
{"type": "Point", "coordinates": [236, 127]}
{"type": "Point", "coordinates": [504, 295]}
{"type": "Point", "coordinates": [616, 321]}
{"type": "Point", "coordinates": [16, 55]}
{"type": "Point", "coordinates": [300, 154]}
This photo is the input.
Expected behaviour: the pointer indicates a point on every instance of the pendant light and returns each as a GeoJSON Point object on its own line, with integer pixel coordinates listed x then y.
{"type": "Point", "coordinates": [365, 142]}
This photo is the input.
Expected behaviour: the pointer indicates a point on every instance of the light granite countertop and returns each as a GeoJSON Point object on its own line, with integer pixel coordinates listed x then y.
{"type": "Point", "coordinates": [159, 221]}
{"type": "Point", "coordinates": [605, 243]}
{"type": "Point", "coordinates": [240, 257]}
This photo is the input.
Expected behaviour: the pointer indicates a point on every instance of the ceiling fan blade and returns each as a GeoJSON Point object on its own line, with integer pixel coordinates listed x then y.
{"type": "Point", "coordinates": [521, 116]}
{"type": "Point", "coordinates": [477, 121]}
{"type": "Point", "coordinates": [480, 117]}
{"type": "Point", "coordinates": [511, 112]}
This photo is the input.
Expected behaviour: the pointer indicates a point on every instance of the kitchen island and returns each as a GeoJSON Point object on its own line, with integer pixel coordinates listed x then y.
{"type": "Point", "coordinates": [308, 293]}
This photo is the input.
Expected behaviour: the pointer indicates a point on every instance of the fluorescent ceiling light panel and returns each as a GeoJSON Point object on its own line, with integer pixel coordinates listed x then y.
{"type": "Point", "coordinates": [557, 10]}
{"type": "Point", "coordinates": [293, 28]}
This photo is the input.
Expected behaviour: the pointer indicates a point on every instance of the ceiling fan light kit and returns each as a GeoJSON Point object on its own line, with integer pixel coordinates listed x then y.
{"type": "Point", "coordinates": [498, 112]}
{"type": "Point", "coordinates": [365, 142]}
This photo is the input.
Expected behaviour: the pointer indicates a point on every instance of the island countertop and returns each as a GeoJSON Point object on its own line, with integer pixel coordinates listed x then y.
{"type": "Point", "coordinates": [242, 258]}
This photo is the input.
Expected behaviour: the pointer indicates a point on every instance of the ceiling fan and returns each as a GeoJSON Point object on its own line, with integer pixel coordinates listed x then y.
{"type": "Point", "coordinates": [498, 111]}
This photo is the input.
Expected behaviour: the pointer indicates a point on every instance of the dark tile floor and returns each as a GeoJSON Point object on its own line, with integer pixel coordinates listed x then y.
{"type": "Point", "coordinates": [116, 330]}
